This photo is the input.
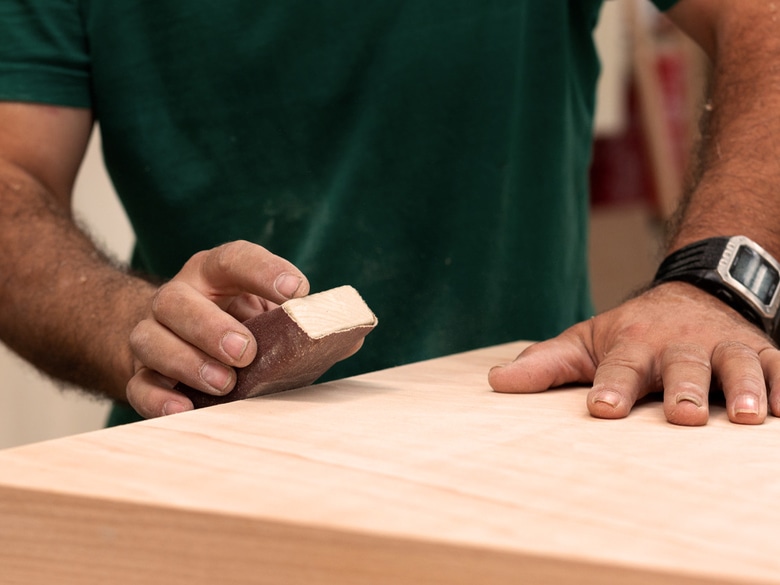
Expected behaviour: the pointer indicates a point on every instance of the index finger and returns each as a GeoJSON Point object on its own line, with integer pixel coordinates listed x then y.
{"type": "Point", "coordinates": [624, 375]}
{"type": "Point", "coordinates": [243, 267]}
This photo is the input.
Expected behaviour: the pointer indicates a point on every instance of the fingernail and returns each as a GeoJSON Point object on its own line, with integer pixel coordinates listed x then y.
{"type": "Point", "coordinates": [608, 397]}
{"type": "Point", "coordinates": [746, 404]}
{"type": "Point", "coordinates": [174, 407]}
{"type": "Point", "coordinates": [692, 398]}
{"type": "Point", "coordinates": [216, 376]}
{"type": "Point", "coordinates": [287, 284]}
{"type": "Point", "coordinates": [234, 344]}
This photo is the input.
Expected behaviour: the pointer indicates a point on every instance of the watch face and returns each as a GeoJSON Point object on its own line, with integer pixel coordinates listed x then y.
{"type": "Point", "coordinates": [755, 273]}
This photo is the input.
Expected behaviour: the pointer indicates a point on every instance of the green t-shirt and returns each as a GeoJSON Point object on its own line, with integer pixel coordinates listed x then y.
{"type": "Point", "coordinates": [432, 153]}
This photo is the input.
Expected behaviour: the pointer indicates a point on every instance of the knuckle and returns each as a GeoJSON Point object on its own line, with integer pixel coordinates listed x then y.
{"type": "Point", "coordinates": [621, 362]}
{"type": "Point", "coordinates": [139, 337]}
{"type": "Point", "coordinates": [686, 354]}
{"type": "Point", "coordinates": [223, 258]}
{"type": "Point", "coordinates": [733, 345]}
{"type": "Point", "coordinates": [136, 395]}
{"type": "Point", "coordinates": [171, 301]}
{"type": "Point", "coordinates": [165, 296]}
{"type": "Point", "coordinates": [685, 389]}
{"type": "Point", "coordinates": [198, 258]}
{"type": "Point", "coordinates": [219, 261]}
{"type": "Point", "coordinates": [733, 350]}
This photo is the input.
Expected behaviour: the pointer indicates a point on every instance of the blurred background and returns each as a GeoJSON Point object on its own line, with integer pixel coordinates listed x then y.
{"type": "Point", "coordinates": [649, 97]}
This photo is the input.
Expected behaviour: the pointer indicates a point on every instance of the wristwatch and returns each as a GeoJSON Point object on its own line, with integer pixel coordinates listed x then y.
{"type": "Point", "coordinates": [734, 269]}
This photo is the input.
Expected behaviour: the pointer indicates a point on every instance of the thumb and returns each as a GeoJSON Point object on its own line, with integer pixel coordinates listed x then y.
{"type": "Point", "coordinates": [565, 359]}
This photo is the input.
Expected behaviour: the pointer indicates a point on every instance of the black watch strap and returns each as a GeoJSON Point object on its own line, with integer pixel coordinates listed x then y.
{"type": "Point", "coordinates": [697, 264]}
{"type": "Point", "coordinates": [692, 261]}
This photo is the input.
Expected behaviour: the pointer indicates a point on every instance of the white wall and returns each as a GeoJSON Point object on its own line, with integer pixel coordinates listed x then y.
{"type": "Point", "coordinates": [613, 46]}
{"type": "Point", "coordinates": [31, 407]}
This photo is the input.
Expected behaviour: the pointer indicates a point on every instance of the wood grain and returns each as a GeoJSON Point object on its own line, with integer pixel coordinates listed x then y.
{"type": "Point", "coordinates": [418, 474]}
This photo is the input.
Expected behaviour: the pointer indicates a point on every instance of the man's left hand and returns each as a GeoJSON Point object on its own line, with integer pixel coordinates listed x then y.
{"type": "Point", "coordinates": [673, 338]}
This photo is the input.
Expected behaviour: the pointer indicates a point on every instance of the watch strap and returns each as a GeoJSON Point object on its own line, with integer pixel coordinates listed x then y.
{"type": "Point", "coordinates": [696, 264]}
{"type": "Point", "coordinates": [696, 258]}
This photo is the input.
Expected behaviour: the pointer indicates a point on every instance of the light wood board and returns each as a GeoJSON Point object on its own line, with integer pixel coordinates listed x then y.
{"type": "Point", "coordinates": [414, 475]}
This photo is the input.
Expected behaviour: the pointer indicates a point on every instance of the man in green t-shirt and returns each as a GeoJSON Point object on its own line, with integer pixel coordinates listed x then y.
{"type": "Point", "coordinates": [432, 154]}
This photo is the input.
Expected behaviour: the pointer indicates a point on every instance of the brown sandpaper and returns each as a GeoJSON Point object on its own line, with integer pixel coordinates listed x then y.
{"type": "Point", "coordinates": [296, 344]}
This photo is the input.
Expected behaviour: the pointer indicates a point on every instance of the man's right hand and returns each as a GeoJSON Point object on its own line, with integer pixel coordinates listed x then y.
{"type": "Point", "coordinates": [192, 332]}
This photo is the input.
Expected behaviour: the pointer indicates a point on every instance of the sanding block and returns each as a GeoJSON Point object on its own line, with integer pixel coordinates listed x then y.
{"type": "Point", "coordinates": [297, 343]}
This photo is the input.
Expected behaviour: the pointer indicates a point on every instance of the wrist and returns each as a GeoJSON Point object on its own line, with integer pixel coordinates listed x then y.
{"type": "Point", "coordinates": [133, 303]}
{"type": "Point", "coordinates": [734, 269]}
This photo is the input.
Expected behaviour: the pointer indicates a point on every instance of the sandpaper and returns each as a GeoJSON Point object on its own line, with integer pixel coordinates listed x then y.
{"type": "Point", "coordinates": [296, 344]}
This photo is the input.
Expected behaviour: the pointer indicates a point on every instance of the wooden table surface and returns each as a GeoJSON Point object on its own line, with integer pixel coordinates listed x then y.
{"type": "Point", "coordinates": [413, 475]}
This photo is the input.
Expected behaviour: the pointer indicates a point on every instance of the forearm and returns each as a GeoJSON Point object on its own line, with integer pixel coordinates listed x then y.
{"type": "Point", "coordinates": [65, 307]}
{"type": "Point", "coordinates": [736, 186]}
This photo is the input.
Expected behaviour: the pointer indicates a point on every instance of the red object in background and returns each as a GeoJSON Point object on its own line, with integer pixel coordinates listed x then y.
{"type": "Point", "coordinates": [621, 170]}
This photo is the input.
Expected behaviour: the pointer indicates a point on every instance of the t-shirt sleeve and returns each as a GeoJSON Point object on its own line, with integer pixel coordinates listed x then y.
{"type": "Point", "coordinates": [664, 4]}
{"type": "Point", "coordinates": [43, 53]}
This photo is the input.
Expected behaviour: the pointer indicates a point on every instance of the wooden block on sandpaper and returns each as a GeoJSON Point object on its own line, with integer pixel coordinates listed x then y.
{"type": "Point", "coordinates": [297, 343]}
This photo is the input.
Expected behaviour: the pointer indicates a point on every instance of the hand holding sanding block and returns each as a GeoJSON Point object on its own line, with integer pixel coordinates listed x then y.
{"type": "Point", "coordinates": [297, 343]}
